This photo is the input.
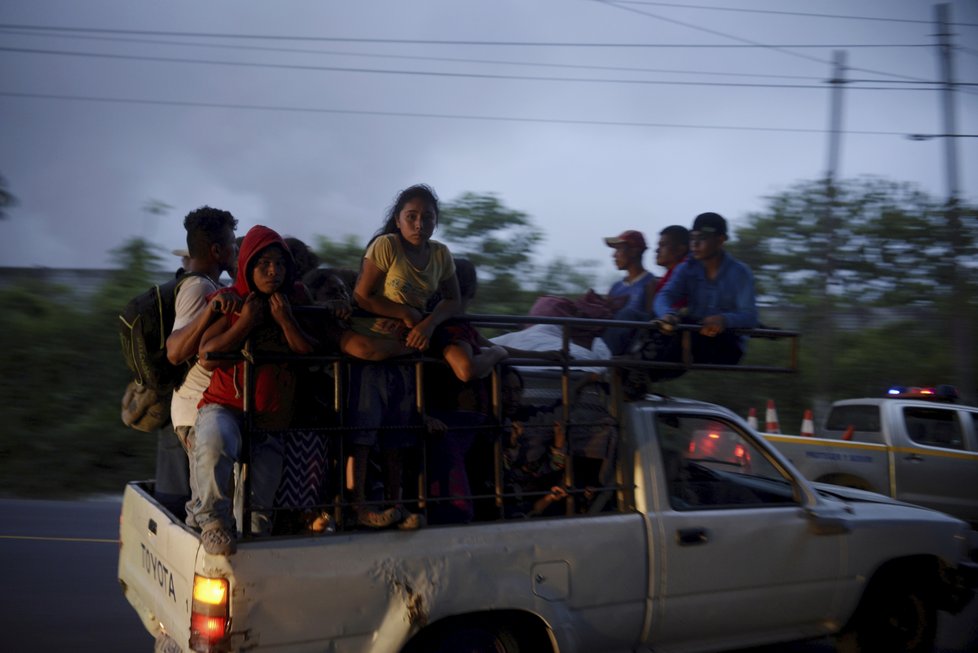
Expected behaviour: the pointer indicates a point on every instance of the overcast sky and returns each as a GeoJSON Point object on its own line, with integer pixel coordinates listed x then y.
{"type": "Point", "coordinates": [591, 117]}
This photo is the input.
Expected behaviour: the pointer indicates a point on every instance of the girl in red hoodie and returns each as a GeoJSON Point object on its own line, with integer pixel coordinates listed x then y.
{"type": "Point", "coordinates": [266, 287]}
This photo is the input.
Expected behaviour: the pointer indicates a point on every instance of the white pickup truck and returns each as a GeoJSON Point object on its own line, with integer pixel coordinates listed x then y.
{"type": "Point", "coordinates": [679, 547]}
{"type": "Point", "coordinates": [917, 445]}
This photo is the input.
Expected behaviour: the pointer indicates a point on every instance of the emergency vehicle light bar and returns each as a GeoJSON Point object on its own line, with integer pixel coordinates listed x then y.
{"type": "Point", "coordinates": [937, 393]}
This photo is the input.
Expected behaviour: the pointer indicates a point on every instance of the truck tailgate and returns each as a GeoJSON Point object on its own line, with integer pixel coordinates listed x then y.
{"type": "Point", "coordinates": [156, 554]}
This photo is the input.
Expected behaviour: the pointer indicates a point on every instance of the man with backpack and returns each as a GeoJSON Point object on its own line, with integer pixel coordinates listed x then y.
{"type": "Point", "coordinates": [213, 250]}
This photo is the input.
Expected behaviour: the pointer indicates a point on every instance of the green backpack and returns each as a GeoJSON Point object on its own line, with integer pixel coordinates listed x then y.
{"type": "Point", "coordinates": [144, 325]}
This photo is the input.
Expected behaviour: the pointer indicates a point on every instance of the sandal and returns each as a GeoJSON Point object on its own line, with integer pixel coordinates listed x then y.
{"type": "Point", "coordinates": [321, 522]}
{"type": "Point", "coordinates": [218, 540]}
{"type": "Point", "coordinates": [373, 519]}
{"type": "Point", "coordinates": [410, 521]}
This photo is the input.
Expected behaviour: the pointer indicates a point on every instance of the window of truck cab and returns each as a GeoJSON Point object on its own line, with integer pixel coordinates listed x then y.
{"type": "Point", "coordinates": [863, 418]}
{"type": "Point", "coordinates": [934, 427]}
{"type": "Point", "coordinates": [710, 463]}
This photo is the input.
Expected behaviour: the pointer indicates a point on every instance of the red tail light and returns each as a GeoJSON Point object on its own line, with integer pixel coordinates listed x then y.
{"type": "Point", "coordinates": [210, 621]}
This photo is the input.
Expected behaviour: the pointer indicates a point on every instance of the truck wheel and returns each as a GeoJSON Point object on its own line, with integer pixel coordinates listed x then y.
{"type": "Point", "coordinates": [479, 638]}
{"type": "Point", "coordinates": [897, 615]}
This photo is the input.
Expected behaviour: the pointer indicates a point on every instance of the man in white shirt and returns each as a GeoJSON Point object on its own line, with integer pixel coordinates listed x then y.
{"type": "Point", "coordinates": [212, 250]}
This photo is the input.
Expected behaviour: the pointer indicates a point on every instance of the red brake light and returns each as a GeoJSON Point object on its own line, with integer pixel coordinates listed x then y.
{"type": "Point", "coordinates": [209, 619]}
{"type": "Point", "coordinates": [209, 628]}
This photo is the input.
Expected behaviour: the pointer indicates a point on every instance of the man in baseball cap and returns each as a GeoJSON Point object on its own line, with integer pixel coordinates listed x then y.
{"type": "Point", "coordinates": [635, 290]}
{"type": "Point", "coordinates": [631, 238]}
{"type": "Point", "coordinates": [710, 223]}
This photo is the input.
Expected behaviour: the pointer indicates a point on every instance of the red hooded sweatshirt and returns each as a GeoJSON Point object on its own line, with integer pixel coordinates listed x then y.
{"type": "Point", "coordinates": [274, 382]}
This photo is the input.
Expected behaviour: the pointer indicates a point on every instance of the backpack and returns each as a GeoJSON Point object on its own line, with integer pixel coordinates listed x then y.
{"type": "Point", "coordinates": [144, 325]}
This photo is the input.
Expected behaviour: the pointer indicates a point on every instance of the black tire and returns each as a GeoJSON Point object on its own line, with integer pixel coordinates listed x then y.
{"type": "Point", "coordinates": [896, 616]}
{"type": "Point", "coordinates": [478, 638]}
{"type": "Point", "coordinates": [502, 632]}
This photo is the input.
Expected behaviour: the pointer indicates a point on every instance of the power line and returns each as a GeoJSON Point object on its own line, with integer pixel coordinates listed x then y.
{"type": "Point", "coordinates": [907, 81]}
{"type": "Point", "coordinates": [707, 30]}
{"type": "Point", "coordinates": [783, 49]}
{"type": "Point", "coordinates": [919, 21]}
{"type": "Point", "coordinates": [347, 39]}
{"type": "Point", "coordinates": [437, 116]}
{"type": "Point", "coordinates": [426, 73]}
{"type": "Point", "coordinates": [347, 53]}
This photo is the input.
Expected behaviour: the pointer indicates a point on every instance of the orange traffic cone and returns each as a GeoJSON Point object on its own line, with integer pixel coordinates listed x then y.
{"type": "Point", "coordinates": [808, 425]}
{"type": "Point", "coordinates": [771, 418]}
{"type": "Point", "coordinates": [752, 418]}
{"type": "Point", "coordinates": [849, 431]}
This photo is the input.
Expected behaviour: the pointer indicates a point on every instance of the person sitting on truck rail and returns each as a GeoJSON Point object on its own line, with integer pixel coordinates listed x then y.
{"type": "Point", "coordinates": [719, 294]}
{"type": "Point", "coordinates": [636, 289]}
{"type": "Point", "coordinates": [265, 282]}
{"type": "Point", "coordinates": [671, 250]}
{"type": "Point", "coordinates": [401, 269]}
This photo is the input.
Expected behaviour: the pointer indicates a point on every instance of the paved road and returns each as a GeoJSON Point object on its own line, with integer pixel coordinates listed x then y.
{"type": "Point", "coordinates": [58, 564]}
{"type": "Point", "coordinates": [59, 591]}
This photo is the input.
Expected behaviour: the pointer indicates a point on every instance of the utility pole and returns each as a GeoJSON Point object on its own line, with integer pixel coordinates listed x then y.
{"type": "Point", "coordinates": [835, 114]}
{"type": "Point", "coordinates": [959, 310]}
{"type": "Point", "coordinates": [825, 341]}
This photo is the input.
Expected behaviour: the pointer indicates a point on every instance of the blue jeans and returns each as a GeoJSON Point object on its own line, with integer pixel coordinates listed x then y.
{"type": "Point", "coordinates": [215, 449]}
{"type": "Point", "coordinates": [172, 472]}
{"type": "Point", "coordinates": [619, 339]}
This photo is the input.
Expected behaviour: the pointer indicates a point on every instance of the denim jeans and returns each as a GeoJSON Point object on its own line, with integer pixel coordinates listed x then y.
{"type": "Point", "coordinates": [619, 339]}
{"type": "Point", "coordinates": [215, 449]}
{"type": "Point", "coordinates": [172, 472]}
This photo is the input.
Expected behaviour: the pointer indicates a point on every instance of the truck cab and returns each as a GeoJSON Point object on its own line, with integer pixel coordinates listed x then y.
{"type": "Point", "coordinates": [931, 440]}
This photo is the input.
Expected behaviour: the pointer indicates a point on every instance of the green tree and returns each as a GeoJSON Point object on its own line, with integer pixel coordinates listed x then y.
{"type": "Point", "coordinates": [500, 241]}
{"type": "Point", "coordinates": [874, 242]}
{"type": "Point", "coordinates": [836, 254]}
{"type": "Point", "coordinates": [345, 253]}
{"type": "Point", "coordinates": [62, 378]}
{"type": "Point", "coordinates": [563, 277]}
{"type": "Point", "coordinates": [139, 266]}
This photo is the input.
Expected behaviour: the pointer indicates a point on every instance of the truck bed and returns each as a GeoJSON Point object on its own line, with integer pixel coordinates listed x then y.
{"type": "Point", "coordinates": [530, 564]}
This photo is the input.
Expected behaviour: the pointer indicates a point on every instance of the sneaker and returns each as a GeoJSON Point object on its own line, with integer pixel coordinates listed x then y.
{"type": "Point", "coordinates": [373, 519]}
{"type": "Point", "coordinates": [218, 540]}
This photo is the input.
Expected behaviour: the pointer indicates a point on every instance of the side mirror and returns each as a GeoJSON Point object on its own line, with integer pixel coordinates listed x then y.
{"type": "Point", "coordinates": [827, 521]}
